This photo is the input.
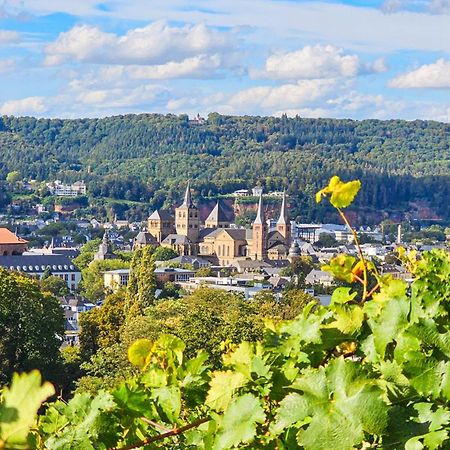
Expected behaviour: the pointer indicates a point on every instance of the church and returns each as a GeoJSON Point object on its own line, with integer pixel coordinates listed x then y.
{"type": "Point", "coordinates": [217, 239]}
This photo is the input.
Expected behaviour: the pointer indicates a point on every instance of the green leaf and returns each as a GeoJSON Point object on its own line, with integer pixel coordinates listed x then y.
{"type": "Point", "coordinates": [169, 398]}
{"type": "Point", "coordinates": [342, 295]}
{"type": "Point", "coordinates": [239, 422]}
{"type": "Point", "coordinates": [139, 351]}
{"type": "Point", "coordinates": [223, 385]}
{"type": "Point", "coordinates": [347, 318]}
{"type": "Point", "coordinates": [341, 267]}
{"type": "Point", "coordinates": [20, 404]}
{"type": "Point", "coordinates": [293, 408]}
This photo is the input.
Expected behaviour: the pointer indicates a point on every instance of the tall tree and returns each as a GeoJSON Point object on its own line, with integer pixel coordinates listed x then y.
{"type": "Point", "coordinates": [31, 327]}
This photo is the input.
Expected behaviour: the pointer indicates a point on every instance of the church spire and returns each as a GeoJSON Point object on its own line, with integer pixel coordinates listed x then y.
{"type": "Point", "coordinates": [260, 214]}
{"type": "Point", "coordinates": [284, 218]}
{"type": "Point", "coordinates": [187, 202]}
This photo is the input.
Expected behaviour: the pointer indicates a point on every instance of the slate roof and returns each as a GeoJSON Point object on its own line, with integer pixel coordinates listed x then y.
{"type": "Point", "coordinates": [144, 238]}
{"type": "Point", "coordinates": [160, 214]}
{"type": "Point", "coordinates": [38, 263]}
{"type": "Point", "coordinates": [178, 239]}
{"type": "Point", "coordinates": [217, 214]}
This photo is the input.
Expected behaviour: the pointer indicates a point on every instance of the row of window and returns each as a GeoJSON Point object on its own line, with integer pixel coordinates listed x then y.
{"type": "Point", "coordinates": [41, 268]}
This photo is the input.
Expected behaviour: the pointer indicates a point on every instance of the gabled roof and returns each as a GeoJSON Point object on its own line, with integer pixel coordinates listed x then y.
{"type": "Point", "coordinates": [160, 214]}
{"type": "Point", "coordinates": [144, 238]}
{"type": "Point", "coordinates": [38, 263]}
{"type": "Point", "coordinates": [217, 214]}
{"type": "Point", "coordinates": [179, 239]}
{"type": "Point", "coordinates": [8, 237]}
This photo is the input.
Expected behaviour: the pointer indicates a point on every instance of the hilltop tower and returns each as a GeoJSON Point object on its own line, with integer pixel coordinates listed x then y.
{"type": "Point", "coordinates": [187, 219]}
{"type": "Point", "coordinates": [284, 223]}
{"type": "Point", "coordinates": [259, 238]}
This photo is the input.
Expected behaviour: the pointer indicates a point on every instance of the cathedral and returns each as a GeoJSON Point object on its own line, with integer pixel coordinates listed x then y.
{"type": "Point", "coordinates": [217, 240]}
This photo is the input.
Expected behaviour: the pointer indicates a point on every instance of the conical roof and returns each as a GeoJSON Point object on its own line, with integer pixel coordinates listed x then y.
{"type": "Point", "coordinates": [284, 217]}
{"type": "Point", "coordinates": [187, 202]}
{"type": "Point", "coordinates": [260, 214]}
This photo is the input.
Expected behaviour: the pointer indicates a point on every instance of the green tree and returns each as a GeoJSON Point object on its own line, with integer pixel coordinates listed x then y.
{"type": "Point", "coordinates": [31, 327]}
{"type": "Point", "coordinates": [204, 272]}
{"type": "Point", "coordinates": [92, 284]}
{"type": "Point", "coordinates": [298, 269]}
{"type": "Point", "coordinates": [100, 327]}
{"type": "Point", "coordinates": [142, 281]}
{"type": "Point", "coordinates": [164, 254]}
{"type": "Point", "coordinates": [87, 253]}
{"type": "Point", "coordinates": [13, 177]}
{"type": "Point", "coordinates": [326, 240]}
{"type": "Point", "coordinates": [55, 286]}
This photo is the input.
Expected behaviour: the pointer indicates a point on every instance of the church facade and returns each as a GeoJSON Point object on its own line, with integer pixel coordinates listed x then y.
{"type": "Point", "coordinates": [217, 239]}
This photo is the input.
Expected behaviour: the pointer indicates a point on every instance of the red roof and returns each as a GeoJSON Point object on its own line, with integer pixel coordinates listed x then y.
{"type": "Point", "coordinates": [7, 237]}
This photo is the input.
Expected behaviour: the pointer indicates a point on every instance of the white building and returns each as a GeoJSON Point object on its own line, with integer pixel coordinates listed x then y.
{"type": "Point", "coordinates": [67, 190]}
{"type": "Point", "coordinates": [36, 265]}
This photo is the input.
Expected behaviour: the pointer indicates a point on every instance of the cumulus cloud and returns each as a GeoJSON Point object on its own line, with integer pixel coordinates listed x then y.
{"type": "Point", "coordinates": [24, 106]}
{"type": "Point", "coordinates": [436, 75]}
{"type": "Point", "coordinates": [316, 61]}
{"type": "Point", "coordinates": [157, 43]}
{"type": "Point", "coordinates": [9, 37]}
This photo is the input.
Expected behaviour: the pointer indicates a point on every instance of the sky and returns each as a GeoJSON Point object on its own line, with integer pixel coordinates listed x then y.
{"type": "Point", "coordinates": [382, 59]}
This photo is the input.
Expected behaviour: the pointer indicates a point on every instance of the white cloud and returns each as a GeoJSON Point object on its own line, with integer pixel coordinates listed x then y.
{"type": "Point", "coordinates": [157, 43]}
{"type": "Point", "coordinates": [316, 61]}
{"type": "Point", "coordinates": [24, 106]}
{"type": "Point", "coordinates": [9, 37]}
{"type": "Point", "coordinates": [431, 6]}
{"type": "Point", "coordinates": [312, 61]}
{"type": "Point", "coordinates": [436, 75]}
{"type": "Point", "coordinates": [440, 6]}
{"type": "Point", "coordinates": [7, 65]}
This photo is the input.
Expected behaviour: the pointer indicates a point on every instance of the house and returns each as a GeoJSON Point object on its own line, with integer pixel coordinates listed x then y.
{"type": "Point", "coordinates": [114, 279]}
{"type": "Point", "coordinates": [194, 261]}
{"type": "Point", "coordinates": [36, 265]}
{"type": "Point", "coordinates": [319, 277]}
{"type": "Point", "coordinates": [11, 244]}
{"type": "Point", "coordinates": [67, 190]}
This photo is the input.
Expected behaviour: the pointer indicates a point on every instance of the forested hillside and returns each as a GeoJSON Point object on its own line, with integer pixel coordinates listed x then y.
{"type": "Point", "coordinates": [148, 157]}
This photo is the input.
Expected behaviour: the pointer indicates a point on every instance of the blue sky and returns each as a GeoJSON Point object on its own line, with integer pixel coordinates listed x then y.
{"type": "Point", "coordinates": [347, 59]}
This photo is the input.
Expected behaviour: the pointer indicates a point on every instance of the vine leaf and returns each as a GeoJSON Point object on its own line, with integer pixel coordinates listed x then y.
{"type": "Point", "coordinates": [239, 422]}
{"type": "Point", "coordinates": [342, 194]}
{"type": "Point", "coordinates": [19, 406]}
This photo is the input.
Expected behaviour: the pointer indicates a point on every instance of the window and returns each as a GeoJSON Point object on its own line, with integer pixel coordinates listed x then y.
{"type": "Point", "coordinates": [72, 277]}
{"type": "Point", "coordinates": [66, 277]}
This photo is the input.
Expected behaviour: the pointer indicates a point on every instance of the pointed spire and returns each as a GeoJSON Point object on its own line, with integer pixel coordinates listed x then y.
{"type": "Point", "coordinates": [284, 218]}
{"type": "Point", "coordinates": [260, 214]}
{"type": "Point", "coordinates": [187, 202]}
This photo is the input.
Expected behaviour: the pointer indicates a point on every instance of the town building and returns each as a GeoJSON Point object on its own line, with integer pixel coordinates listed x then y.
{"type": "Point", "coordinates": [36, 265]}
{"type": "Point", "coordinates": [11, 244]}
{"type": "Point", "coordinates": [67, 190]}
{"type": "Point", "coordinates": [217, 239]}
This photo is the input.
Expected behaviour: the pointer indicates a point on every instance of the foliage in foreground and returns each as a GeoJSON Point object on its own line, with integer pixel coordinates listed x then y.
{"type": "Point", "coordinates": [372, 370]}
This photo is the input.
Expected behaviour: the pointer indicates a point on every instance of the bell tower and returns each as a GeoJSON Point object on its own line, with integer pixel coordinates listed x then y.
{"type": "Point", "coordinates": [284, 223]}
{"type": "Point", "coordinates": [259, 238]}
{"type": "Point", "coordinates": [187, 219]}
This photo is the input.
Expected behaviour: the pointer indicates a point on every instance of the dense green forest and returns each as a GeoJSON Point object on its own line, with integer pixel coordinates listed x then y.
{"type": "Point", "coordinates": [148, 157]}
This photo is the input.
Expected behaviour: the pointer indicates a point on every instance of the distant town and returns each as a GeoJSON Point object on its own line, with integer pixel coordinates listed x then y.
{"type": "Point", "coordinates": [213, 251]}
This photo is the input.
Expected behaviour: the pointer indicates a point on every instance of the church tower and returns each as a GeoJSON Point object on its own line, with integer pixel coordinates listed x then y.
{"type": "Point", "coordinates": [284, 223]}
{"type": "Point", "coordinates": [187, 219]}
{"type": "Point", "coordinates": [258, 248]}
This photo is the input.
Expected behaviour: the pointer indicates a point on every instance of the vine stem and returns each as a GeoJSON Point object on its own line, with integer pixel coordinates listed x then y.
{"type": "Point", "coordinates": [159, 437]}
{"type": "Point", "coordinates": [360, 253]}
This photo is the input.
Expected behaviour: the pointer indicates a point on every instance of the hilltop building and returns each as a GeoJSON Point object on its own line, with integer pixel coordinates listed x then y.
{"type": "Point", "coordinates": [217, 239]}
